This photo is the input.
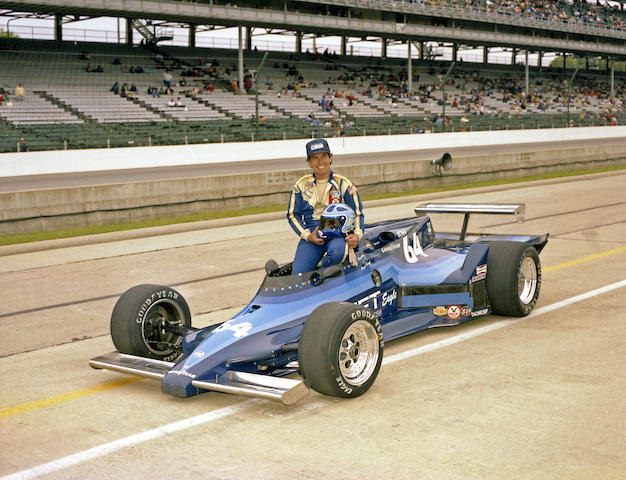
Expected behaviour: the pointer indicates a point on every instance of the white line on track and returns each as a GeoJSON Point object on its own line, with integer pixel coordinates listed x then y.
{"type": "Point", "coordinates": [105, 449]}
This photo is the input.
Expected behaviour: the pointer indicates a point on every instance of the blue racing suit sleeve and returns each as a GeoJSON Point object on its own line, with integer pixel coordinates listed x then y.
{"type": "Point", "coordinates": [295, 213]}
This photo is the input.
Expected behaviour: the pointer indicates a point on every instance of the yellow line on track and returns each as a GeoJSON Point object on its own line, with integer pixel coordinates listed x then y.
{"type": "Point", "coordinates": [583, 260]}
{"type": "Point", "coordinates": [46, 402]}
{"type": "Point", "coordinates": [64, 397]}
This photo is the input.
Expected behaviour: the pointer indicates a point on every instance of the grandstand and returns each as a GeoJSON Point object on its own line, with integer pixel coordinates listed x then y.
{"type": "Point", "coordinates": [69, 102]}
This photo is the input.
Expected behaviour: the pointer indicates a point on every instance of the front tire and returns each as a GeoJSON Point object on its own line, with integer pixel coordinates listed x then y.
{"type": "Point", "coordinates": [513, 278]}
{"type": "Point", "coordinates": [139, 318]}
{"type": "Point", "coordinates": [341, 349]}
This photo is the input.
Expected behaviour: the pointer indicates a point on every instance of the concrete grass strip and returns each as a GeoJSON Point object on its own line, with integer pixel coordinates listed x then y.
{"type": "Point", "coordinates": [105, 449]}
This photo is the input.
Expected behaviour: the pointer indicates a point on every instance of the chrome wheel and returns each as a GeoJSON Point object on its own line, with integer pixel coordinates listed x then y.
{"type": "Point", "coordinates": [527, 280]}
{"type": "Point", "coordinates": [156, 337]}
{"type": "Point", "coordinates": [358, 352]}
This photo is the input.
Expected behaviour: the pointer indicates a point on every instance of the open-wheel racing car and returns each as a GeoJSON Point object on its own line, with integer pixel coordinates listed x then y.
{"type": "Point", "coordinates": [329, 324]}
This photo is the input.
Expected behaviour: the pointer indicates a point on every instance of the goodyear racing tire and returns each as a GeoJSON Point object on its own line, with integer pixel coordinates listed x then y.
{"type": "Point", "coordinates": [513, 278]}
{"type": "Point", "coordinates": [341, 349]}
{"type": "Point", "coordinates": [138, 319]}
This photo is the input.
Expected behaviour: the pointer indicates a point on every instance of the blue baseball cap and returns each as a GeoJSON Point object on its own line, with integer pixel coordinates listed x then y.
{"type": "Point", "coordinates": [316, 146]}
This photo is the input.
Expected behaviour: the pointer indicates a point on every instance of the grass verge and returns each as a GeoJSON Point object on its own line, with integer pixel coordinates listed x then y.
{"type": "Point", "coordinates": [91, 230]}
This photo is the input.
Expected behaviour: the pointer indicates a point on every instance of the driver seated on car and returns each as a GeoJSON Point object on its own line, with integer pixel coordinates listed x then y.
{"type": "Point", "coordinates": [309, 197]}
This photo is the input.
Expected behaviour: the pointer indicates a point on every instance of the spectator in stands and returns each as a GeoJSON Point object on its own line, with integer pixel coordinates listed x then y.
{"type": "Point", "coordinates": [179, 102]}
{"type": "Point", "coordinates": [152, 90]}
{"type": "Point", "coordinates": [133, 88]}
{"type": "Point", "coordinates": [167, 78]}
{"type": "Point", "coordinates": [309, 196]}
{"type": "Point", "coordinates": [1, 99]}
{"type": "Point", "coordinates": [247, 84]}
{"type": "Point", "coordinates": [20, 92]}
{"type": "Point", "coordinates": [23, 146]}
{"type": "Point", "coordinates": [171, 102]}
{"type": "Point", "coordinates": [115, 88]}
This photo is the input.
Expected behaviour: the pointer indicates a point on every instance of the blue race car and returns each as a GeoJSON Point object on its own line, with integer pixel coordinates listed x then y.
{"type": "Point", "coordinates": [329, 324]}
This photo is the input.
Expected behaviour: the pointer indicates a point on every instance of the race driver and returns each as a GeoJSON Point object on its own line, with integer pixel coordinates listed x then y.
{"type": "Point", "coordinates": [309, 196]}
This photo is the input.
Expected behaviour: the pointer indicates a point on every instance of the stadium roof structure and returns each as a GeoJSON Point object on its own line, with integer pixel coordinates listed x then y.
{"type": "Point", "coordinates": [384, 19]}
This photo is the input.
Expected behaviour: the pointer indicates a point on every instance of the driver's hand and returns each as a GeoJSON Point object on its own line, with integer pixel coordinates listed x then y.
{"type": "Point", "coordinates": [313, 238]}
{"type": "Point", "coordinates": [352, 240]}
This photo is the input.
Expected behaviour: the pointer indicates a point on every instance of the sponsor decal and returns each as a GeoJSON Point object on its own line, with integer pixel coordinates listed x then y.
{"type": "Point", "coordinates": [478, 278]}
{"type": "Point", "coordinates": [334, 196]}
{"type": "Point", "coordinates": [412, 250]}
{"type": "Point", "coordinates": [316, 146]}
{"type": "Point", "coordinates": [352, 190]}
{"type": "Point", "coordinates": [389, 297]}
{"type": "Point", "coordinates": [199, 354]}
{"type": "Point", "coordinates": [391, 247]}
{"type": "Point", "coordinates": [481, 269]}
{"type": "Point", "coordinates": [440, 310]}
{"type": "Point", "coordinates": [478, 313]}
{"type": "Point", "coordinates": [465, 311]}
{"type": "Point", "coordinates": [454, 312]}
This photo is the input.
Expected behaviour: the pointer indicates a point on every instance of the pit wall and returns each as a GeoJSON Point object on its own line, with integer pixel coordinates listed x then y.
{"type": "Point", "coordinates": [47, 162]}
{"type": "Point", "coordinates": [22, 212]}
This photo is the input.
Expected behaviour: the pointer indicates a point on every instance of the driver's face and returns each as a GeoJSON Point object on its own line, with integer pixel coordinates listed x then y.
{"type": "Point", "coordinates": [320, 163]}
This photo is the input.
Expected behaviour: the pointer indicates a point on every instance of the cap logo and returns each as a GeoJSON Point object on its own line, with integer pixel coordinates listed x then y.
{"type": "Point", "coordinates": [315, 146]}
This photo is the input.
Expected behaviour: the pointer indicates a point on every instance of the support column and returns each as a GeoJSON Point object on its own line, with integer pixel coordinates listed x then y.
{"type": "Point", "coordinates": [409, 63]}
{"type": "Point", "coordinates": [539, 58]}
{"type": "Point", "coordinates": [613, 79]}
{"type": "Point", "coordinates": [527, 84]}
{"type": "Point", "coordinates": [383, 47]}
{"type": "Point", "coordinates": [192, 35]}
{"type": "Point", "coordinates": [513, 55]}
{"type": "Point", "coordinates": [299, 42]}
{"type": "Point", "coordinates": [343, 45]}
{"type": "Point", "coordinates": [421, 50]}
{"type": "Point", "coordinates": [607, 62]}
{"type": "Point", "coordinates": [240, 56]}
{"type": "Point", "coordinates": [248, 38]}
{"type": "Point", "coordinates": [58, 27]}
{"type": "Point", "coordinates": [564, 60]}
{"type": "Point", "coordinates": [455, 51]}
{"type": "Point", "coordinates": [485, 54]}
{"type": "Point", "coordinates": [129, 31]}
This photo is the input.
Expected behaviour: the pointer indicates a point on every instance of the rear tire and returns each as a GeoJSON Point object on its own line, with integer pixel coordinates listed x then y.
{"type": "Point", "coordinates": [513, 278]}
{"type": "Point", "coordinates": [341, 349]}
{"type": "Point", "coordinates": [138, 319]}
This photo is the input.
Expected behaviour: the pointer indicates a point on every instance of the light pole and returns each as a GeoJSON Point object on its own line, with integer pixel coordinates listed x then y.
{"type": "Point", "coordinates": [443, 95]}
{"type": "Point", "coordinates": [257, 77]}
{"type": "Point", "coordinates": [569, 88]}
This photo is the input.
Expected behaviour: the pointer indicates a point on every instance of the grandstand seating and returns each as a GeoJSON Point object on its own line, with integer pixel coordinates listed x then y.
{"type": "Point", "coordinates": [67, 106]}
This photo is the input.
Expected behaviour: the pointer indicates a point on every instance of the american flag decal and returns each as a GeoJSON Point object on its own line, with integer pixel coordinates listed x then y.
{"type": "Point", "coordinates": [481, 269]}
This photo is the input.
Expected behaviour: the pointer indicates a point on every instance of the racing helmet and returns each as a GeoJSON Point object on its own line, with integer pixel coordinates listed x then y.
{"type": "Point", "coordinates": [336, 220]}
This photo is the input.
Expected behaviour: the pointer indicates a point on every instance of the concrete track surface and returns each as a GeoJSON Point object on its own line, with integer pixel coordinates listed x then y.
{"type": "Point", "coordinates": [541, 397]}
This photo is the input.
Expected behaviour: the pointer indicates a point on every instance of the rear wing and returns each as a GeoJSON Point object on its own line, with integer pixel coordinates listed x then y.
{"type": "Point", "coordinates": [517, 209]}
